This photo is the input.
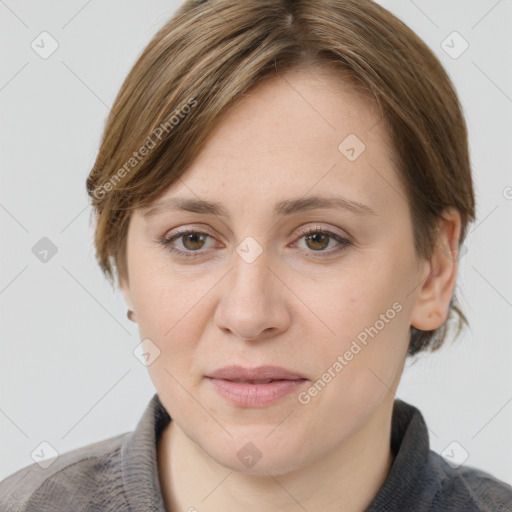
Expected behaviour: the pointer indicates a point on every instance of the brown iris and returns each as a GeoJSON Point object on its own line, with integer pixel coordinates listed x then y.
{"type": "Point", "coordinates": [193, 239]}
{"type": "Point", "coordinates": [318, 238]}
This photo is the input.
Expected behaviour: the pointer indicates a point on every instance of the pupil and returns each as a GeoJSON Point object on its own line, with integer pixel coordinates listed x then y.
{"type": "Point", "coordinates": [193, 238]}
{"type": "Point", "coordinates": [317, 237]}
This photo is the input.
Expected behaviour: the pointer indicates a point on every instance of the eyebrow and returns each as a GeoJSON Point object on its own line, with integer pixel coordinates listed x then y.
{"type": "Point", "coordinates": [282, 208]}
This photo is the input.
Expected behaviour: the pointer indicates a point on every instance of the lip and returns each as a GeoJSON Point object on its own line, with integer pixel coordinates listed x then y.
{"type": "Point", "coordinates": [240, 385]}
{"type": "Point", "coordinates": [258, 373]}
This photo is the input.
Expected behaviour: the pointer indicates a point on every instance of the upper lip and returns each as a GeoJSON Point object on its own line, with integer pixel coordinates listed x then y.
{"type": "Point", "coordinates": [259, 373]}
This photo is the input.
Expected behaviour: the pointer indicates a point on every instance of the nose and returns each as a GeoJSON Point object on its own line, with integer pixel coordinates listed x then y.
{"type": "Point", "coordinates": [253, 305]}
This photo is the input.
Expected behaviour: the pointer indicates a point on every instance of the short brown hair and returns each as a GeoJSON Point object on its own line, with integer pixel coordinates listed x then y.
{"type": "Point", "coordinates": [211, 52]}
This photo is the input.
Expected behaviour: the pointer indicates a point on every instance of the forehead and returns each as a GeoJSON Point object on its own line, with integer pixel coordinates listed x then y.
{"type": "Point", "coordinates": [305, 130]}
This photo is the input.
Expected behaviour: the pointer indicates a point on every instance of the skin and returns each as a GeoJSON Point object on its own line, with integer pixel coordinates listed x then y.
{"type": "Point", "coordinates": [299, 304]}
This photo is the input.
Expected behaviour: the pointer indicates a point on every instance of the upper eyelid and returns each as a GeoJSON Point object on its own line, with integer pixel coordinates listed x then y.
{"type": "Point", "coordinates": [315, 228]}
{"type": "Point", "coordinates": [301, 231]}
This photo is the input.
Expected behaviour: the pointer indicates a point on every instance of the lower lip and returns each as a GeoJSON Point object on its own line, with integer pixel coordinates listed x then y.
{"type": "Point", "coordinates": [246, 394]}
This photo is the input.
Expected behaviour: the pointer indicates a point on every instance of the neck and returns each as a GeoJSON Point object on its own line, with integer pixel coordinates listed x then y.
{"type": "Point", "coordinates": [348, 479]}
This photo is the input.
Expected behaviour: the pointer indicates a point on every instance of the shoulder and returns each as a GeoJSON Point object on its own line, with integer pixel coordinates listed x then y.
{"type": "Point", "coordinates": [468, 488]}
{"type": "Point", "coordinates": [73, 480]}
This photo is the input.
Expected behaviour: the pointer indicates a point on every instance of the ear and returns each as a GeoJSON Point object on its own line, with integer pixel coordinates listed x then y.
{"type": "Point", "coordinates": [432, 302]}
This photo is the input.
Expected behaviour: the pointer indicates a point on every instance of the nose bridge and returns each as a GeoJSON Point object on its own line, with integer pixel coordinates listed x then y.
{"type": "Point", "coordinates": [251, 274]}
{"type": "Point", "coordinates": [251, 305]}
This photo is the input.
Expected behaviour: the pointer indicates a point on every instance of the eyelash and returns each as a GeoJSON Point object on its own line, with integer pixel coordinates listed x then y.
{"type": "Point", "coordinates": [167, 241]}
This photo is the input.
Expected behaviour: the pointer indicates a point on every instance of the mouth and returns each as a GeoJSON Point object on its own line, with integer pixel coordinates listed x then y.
{"type": "Point", "coordinates": [256, 387]}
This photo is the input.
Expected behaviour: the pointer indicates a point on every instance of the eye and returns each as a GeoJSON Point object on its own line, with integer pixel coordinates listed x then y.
{"type": "Point", "coordinates": [192, 242]}
{"type": "Point", "coordinates": [318, 239]}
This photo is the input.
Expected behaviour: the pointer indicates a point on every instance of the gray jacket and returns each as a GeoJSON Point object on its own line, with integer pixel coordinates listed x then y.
{"type": "Point", "coordinates": [121, 474]}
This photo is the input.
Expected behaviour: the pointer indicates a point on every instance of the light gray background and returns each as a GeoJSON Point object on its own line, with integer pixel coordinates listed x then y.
{"type": "Point", "coordinates": [67, 372]}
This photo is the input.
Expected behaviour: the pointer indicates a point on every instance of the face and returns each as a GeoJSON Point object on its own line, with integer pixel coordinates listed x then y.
{"type": "Point", "coordinates": [325, 291]}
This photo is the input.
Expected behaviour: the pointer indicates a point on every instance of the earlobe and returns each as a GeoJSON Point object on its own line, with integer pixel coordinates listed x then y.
{"type": "Point", "coordinates": [433, 298]}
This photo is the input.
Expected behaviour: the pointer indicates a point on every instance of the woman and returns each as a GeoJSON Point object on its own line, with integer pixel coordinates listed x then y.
{"type": "Point", "coordinates": [281, 191]}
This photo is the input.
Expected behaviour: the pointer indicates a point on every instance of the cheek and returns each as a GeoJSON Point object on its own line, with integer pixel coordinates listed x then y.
{"type": "Point", "coordinates": [367, 312]}
{"type": "Point", "coordinates": [171, 311]}
{"type": "Point", "coordinates": [354, 298]}
{"type": "Point", "coordinates": [167, 301]}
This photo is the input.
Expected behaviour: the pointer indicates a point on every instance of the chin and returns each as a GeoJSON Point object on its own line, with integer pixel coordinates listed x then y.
{"type": "Point", "coordinates": [258, 454]}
